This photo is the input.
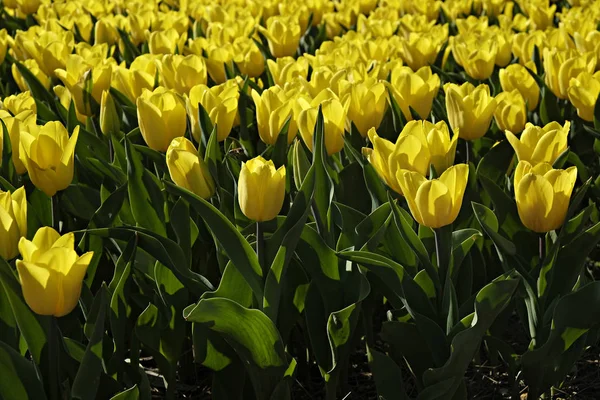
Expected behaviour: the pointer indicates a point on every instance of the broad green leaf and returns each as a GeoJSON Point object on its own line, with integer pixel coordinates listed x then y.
{"type": "Point", "coordinates": [387, 376]}
{"type": "Point", "coordinates": [19, 376]}
{"type": "Point", "coordinates": [133, 393]}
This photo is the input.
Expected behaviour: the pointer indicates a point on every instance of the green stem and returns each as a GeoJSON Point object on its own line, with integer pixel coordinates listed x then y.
{"type": "Point", "coordinates": [55, 213]}
{"type": "Point", "coordinates": [443, 236]}
{"type": "Point", "coordinates": [467, 148]}
{"type": "Point", "coordinates": [260, 248]}
{"type": "Point", "coordinates": [53, 359]}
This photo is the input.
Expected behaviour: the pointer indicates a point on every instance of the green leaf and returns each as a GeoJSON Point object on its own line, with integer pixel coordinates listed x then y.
{"type": "Point", "coordinates": [133, 393]}
{"type": "Point", "coordinates": [41, 94]}
{"type": "Point", "coordinates": [213, 156]}
{"type": "Point", "coordinates": [19, 376]}
{"type": "Point", "coordinates": [324, 195]}
{"type": "Point", "coordinates": [489, 223]}
{"type": "Point", "coordinates": [387, 376]}
{"type": "Point", "coordinates": [549, 110]}
{"type": "Point", "coordinates": [300, 163]}
{"type": "Point", "coordinates": [462, 241]}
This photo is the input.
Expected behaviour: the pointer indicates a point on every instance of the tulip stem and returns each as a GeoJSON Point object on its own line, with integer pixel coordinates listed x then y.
{"type": "Point", "coordinates": [53, 358]}
{"type": "Point", "coordinates": [260, 247]}
{"type": "Point", "coordinates": [467, 148]}
{"type": "Point", "coordinates": [55, 213]}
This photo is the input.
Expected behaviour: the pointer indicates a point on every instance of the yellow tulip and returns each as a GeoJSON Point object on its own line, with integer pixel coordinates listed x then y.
{"type": "Point", "coordinates": [110, 121]}
{"type": "Point", "coordinates": [561, 66]}
{"type": "Point", "coordinates": [248, 57]}
{"type": "Point", "coordinates": [140, 75]}
{"type": "Point", "coordinates": [48, 154]}
{"type": "Point", "coordinates": [166, 42]}
{"type": "Point", "coordinates": [13, 218]}
{"type": "Point", "coordinates": [3, 44]}
{"type": "Point", "coordinates": [34, 68]}
{"type": "Point", "coordinates": [261, 189]}
{"type": "Point", "coordinates": [421, 49]}
{"type": "Point", "coordinates": [334, 118]}
{"type": "Point", "coordinates": [217, 57]}
{"type": "Point", "coordinates": [583, 94]}
{"type": "Point", "coordinates": [541, 14]}
{"type": "Point", "coordinates": [516, 76]}
{"type": "Point", "coordinates": [139, 23]}
{"type": "Point", "coordinates": [540, 145]}
{"type": "Point", "coordinates": [65, 98]}
{"type": "Point", "coordinates": [475, 55]}
{"type": "Point", "coordinates": [17, 103]}
{"type": "Point", "coordinates": [472, 24]}
{"type": "Point", "coordinates": [283, 35]}
{"type": "Point", "coordinates": [408, 153]}
{"type": "Point", "coordinates": [106, 30]}
{"type": "Point", "coordinates": [367, 102]}
{"type": "Point", "coordinates": [181, 73]}
{"type": "Point", "coordinates": [524, 43]}
{"type": "Point", "coordinates": [221, 105]}
{"type": "Point", "coordinates": [28, 6]}
{"type": "Point", "coordinates": [511, 112]}
{"type": "Point", "coordinates": [503, 40]}
{"type": "Point", "coordinates": [51, 272]}
{"type": "Point", "coordinates": [188, 170]}
{"type": "Point", "coordinates": [50, 50]}
{"type": "Point", "coordinates": [14, 125]}
{"type": "Point", "coordinates": [470, 109]}
{"type": "Point", "coordinates": [437, 141]}
{"type": "Point", "coordinates": [161, 116]}
{"type": "Point", "coordinates": [589, 42]}
{"type": "Point", "coordinates": [273, 109]}
{"type": "Point", "coordinates": [435, 203]}
{"type": "Point", "coordinates": [76, 78]}
{"type": "Point", "coordinates": [414, 90]}
{"type": "Point", "coordinates": [543, 195]}
{"type": "Point", "coordinates": [286, 69]}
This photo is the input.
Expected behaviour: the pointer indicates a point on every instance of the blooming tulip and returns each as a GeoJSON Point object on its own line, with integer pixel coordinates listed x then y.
{"type": "Point", "coordinates": [283, 34]}
{"type": "Point", "coordinates": [285, 69]}
{"type": "Point", "coordinates": [543, 195]}
{"type": "Point", "coordinates": [220, 103]}
{"type": "Point", "coordinates": [436, 140]}
{"type": "Point", "coordinates": [367, 101]}
{"type": "Point", "coordinates": [22, 121]}
{"type": "Point", "coordinates": [561, 66]}
{"type": "Point", "coordinates": [261, 189]}
{"type": "Point", "coordinates": [48, 154]}
{"type": "Point", "coordinates": [435, 203]}
{"type": "Point", "coordinates": [248, 57]}
{"type": "Point", "coordinates": [188, 170]}
{"type": "Point", "coordinates": [13, 215]}
{"type": "Point", "coordinates": [51, 272]}
{"type": "Point", "coordinates": [476, 56]}
{"type": "Point", "coordinates": [181, 73]}
{"type": "Point", "coordinates": [166, 42]}
{"type": "Point", "coordinates": [414, 90]}
{"type": "Point", "coordinates": [516, 76]}
{"type": "Point", "coordinates": [540, 145]}
{"type": "Point", "coordinates": [511, 112]}
{"type": "Point", "coordinates": [50, 50]}
{"type": "Point", "coordinates": [421, 49]}
{"type": "Point", "coordinates": [18, 103]}
{"type": "Point", "coordinates": [470, 109]}
{"type": "Point", "coordinates": [34, 68]}
{"type": "Point", "coordinates": [273, 109]}
{"type": "Point", "coordinates": [583, 94]}
{"type": "Point", "coordinates": [161, 115]}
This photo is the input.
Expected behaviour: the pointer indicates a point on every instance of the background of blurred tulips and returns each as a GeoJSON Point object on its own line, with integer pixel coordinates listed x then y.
{"type": "Point", "coordinates": [299, 199]}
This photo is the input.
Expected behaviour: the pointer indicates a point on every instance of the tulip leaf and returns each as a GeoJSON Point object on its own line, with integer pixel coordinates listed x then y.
{"type": "Point", "coordinates": [235, 245]}
{"type": "Point", "coordinates": [109, 210]}
{"type": "Point", "coordinates": [130, 52]}
{"type": "Point", "coordinates": [369, 230]}
{"type": "Point", "coordinates": [19, 377]}
{"type": "Point", "coordinates": [489, 223]}
{"type": "Point", "coordinates": [232, 286]}
{"type": "Point", "coordinates": [146, 213]}
{"type": "Point", "coordinates": [105, 169]}
{"type": "Point", "coordinates": [87, 380]}
{"type": "Point", "coordinates": [597, 114]}
{"type": "Point", "coordinates": [324, 195]}
{"type": "Point", "coordinates": [387, 376]}
{"type": "Point", "coordinates": [301, 164]}
{"type": "Point", "coordinates": [494, 165]}
{"type": "Point", "coordinates": [133, 393]}
{"type": "Point", "coordinates": [206, 126]}
{"type": "Point", "coordinates": [462, 241]}
{"type": "Point", "coordinates": [549, 110]}
{"type": "Point", "coordinates": [251, 333]}
{"type": "Point", "coordinates": [41, 94]}
{"type": "Point", "coordinates": [280, 148]}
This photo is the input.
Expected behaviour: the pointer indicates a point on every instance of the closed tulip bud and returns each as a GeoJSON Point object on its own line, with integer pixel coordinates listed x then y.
{"type": "Point", "coordinates": [106, 31]}
{"type": "Point", "coordinates": [408, 153]}
{"type": "Point", "coordinates": [583, 94]}
{"type": "Point", "coordinates": [166, 42]}
{"type": "Point", "coordinates": [435, 203]}
{"type": "Point", "coordinates": [367, 102]}
{"type": "Point", "coordinates": [286, 69]}
{"type": "Point", "coordinates": [13, 214]}
{"type": "Point", "coordinates": [23, 121]}
{"type": "Point", "coordinates": [139, 23]}
{"type": "Point", "coordinates": [34, 68]}
{"type": "Point", "coordinates": [217, 57]}
{"type": "Point", "coordinates": [182, 73]}
{"type": "Point", "coordinates": [540, 145]}
{"type": "Point", "coordinates": [221, 105]}
{"type": "Point", "coordinates": [273, 109]}
{"type": "Point", "coordinates": [18, 103]}
{"type": "Point", "coordinates": [283, 35]}
{"type": "Point", "coordinates": [541, 15]}
{"type": "Point", "coordinates": [28, 7]}
{"type": "Point", "coordinates": [476, 56]}
{"type": "Point", "coordinates": [248, 57]}
{"type": "Point", "coordinates": [543, 195]}
{"type": "Point", "coordinates": [516, 76]}
{"type": "Point", "coordinates": [261, 189]}
{"type": "Point", "coordinates": [414, 90]}
{"type": "Point", "coordinates": [470, 109]}
{"type": "Point", "coordinates": [161, 116]}
{"type": "Point", "coordinates": [334, 118]}
{"type": "Point", "coordinates": [436, 139]}
{"type": "Point", "coordinates": [561, 66]}
{"type": "Point", "coordinates": [188, 170]}
{"type": "Point", "coordinates": [48, 154]}
{"type": "Point", "coordinates": [511, 112]}
{"type": "Point", "coordinates": [51, 272]}
{"type": "Point", "coordinates": [110, 121]}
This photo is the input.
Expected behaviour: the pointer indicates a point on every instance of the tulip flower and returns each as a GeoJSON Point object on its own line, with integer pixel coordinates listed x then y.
{"type": "Point", "coordinates": [221, 105]}
{"type": "Point", "coordinates": [524, 44]}
{"type": "Point", "coordinates": [188, 170]}
{"type": "Point", "coordinates": [561, 66]}
{"type": "Point", "coordinates": [285, 69]}
{"type": "Point", "coordinates": [248, 57]}
{"type": "Point", "coordinates": [34, 68]}
{"type": "Point", "coordinates": [421, 49]}
{"type": "Point", "coordinates": [476, 56]}
{"type": "Point", "coordinates": [13, 214]}
{"type": "Point", "coordinates": [261, 189]}
{"type": "Point", "coordinates": [140, 75]}
{"type": "Point", "coordinates": [408, 153]}
{"type": "Point", "coordinates": [334, 118]}
{"type": "Point", "coordinates": [470, 109]}
{"type": "Point", "coordinates": [18, 103]}
{"type": "Point", "coordinates": [543, 195]}
{"type": "Point", "coordinates": [540, 14]}
{"type": "Point", "coordinates": [217, 57]}
{"type": "Point", "coordinates": [3, 44]}
{"type": "Point", "coordinates": [110, 120]}
{"type": "Point", "coordinates": [540, 145]}
{"type": "Point", "coordinates": [516, 76]}
{"type": "Point", "coordinates": [51, 272]}
{"type": "Point", "coordinates": [435, 203]}
{"type": "Point", "coordinates": [367, 102]}
{"type": "Point", "coordinates": [511, 112]}
{"type": "Point", "coordinates": [583, 94]}
{"type": "Point", "coordinates": [414, 90]}
{"type": "Point", "coordinates": [23, 121]}
{"type": "Point", "coordinates": [28, 7]}
{"type": "Point", "coordinates": [181, 73]}
{"type": "Point", "coordinates": [48, 154]}
{"type": "Point", "coordinates": [283, 34]}
{"type": "Point", "coordinates": [588, 43]}
{"type": "Point", "coordinates": [436, 141]}
{"type": "Point", "coordinates": [166, 42]}
{"type": "Point", "coordinates": [161, 116]}
{"type": "Point", "coordinates": [273, 109]}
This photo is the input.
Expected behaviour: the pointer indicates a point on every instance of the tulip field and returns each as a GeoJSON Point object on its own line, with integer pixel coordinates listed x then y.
{"type": "Point", "coordinates": [299, 199]}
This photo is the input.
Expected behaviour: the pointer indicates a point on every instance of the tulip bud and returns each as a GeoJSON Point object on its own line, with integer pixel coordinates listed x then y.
{"type": "Point", "coordinates": [273, 109]}
{"type": "Point", "coordinates": [470, 109]}
{"type": "Point", "coordinates": [221, 105]}
{"type": "Point", "coordinates": [540, 145]}
{"type": "Point", "coordinates": [367, 103]}
{"type": "Point", "coordinates": [414, 90]}
{"type": "Point", "coordinates": [561, 66]}
{"type": "Point", "coordinates": [475, 55]}
{"type": "Point", "coordinates": [188, 170]}
{"type": "Point", "coordinates": [110, 121]}
{"type": "Point", "coordinates": [435, 203]}
{"type": "Point", "coordinates": [28, 7]}
{"type": "Point", "coordinates": [261, 189]}
{"type": "Point", "coordinates": [543, 195]}
{"type": "Point", "coordinates": [583, 94]}
{"type": "Point", "coordinates": [436, 141]}
{"type": "Point", "coordinates": [511, 112]}
{"type": "Point", "coordinates": [218, 57]}
{"type": "Point", "coordinates": [3, 44]}
{"type": "Point", "coordinates": [23, 121]}
{"type": "Point", "coordinates": [248, 57]}
{"type": "Point", "coordinates": [13, 214]}
{"type": "Point", "coordinates": [283, 34]}
{"type": "Point", "coordinates": [51, 272]}
{"type": "Point", "coordinates": [181, 73]}
{"type": "Point", "coordinates": [421, 49]}
{"type": "Point", "coordinates": [541, 15]}
{"type": "Point", "coordinates": [161, 116]}
{"type": "Point", "coordinates": [168, 41]}
{"type": "Point", "coordinates": [286, 69]}
{"type": "Point", "coordinates": [516, 76]}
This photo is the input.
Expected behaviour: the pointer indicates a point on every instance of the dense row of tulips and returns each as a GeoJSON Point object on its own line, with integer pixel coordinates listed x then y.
{"type": "Point", "coordinates": [274, 185]}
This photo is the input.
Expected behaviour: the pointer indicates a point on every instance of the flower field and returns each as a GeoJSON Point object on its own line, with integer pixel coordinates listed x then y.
{"type": "Point", "coordinates": [254, 199]}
